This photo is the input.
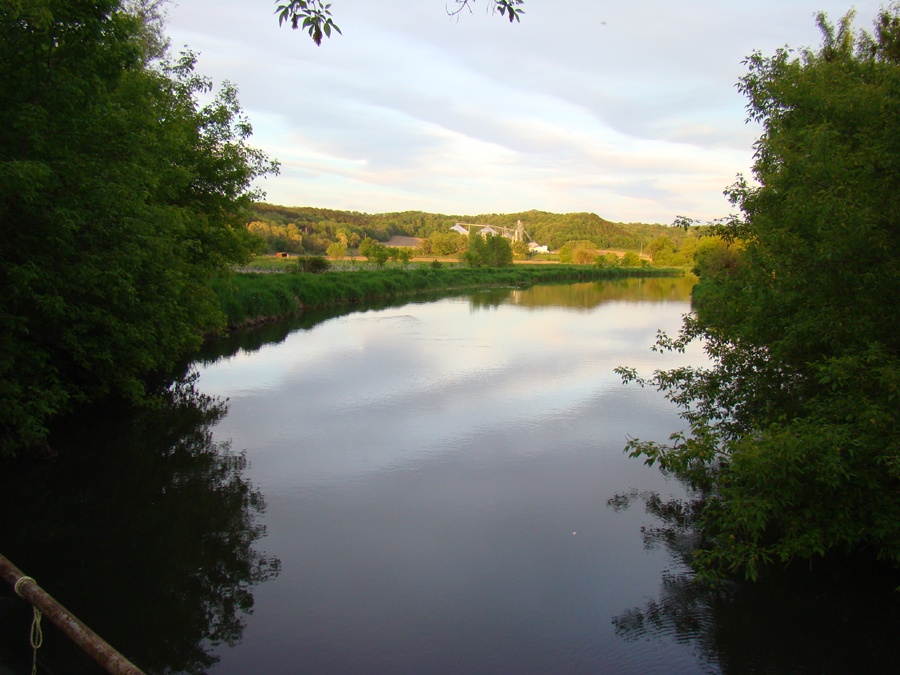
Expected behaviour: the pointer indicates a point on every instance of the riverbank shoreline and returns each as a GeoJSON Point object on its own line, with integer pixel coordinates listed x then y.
{"type": "Point", "coordinates": [250, 299]}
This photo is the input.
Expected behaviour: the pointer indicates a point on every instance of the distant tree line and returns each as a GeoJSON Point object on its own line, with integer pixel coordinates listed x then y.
{"type": "Point", "coordinates": [280, 227]}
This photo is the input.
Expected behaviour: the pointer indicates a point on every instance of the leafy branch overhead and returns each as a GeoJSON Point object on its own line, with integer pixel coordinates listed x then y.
{"type": "Point", "coordinates": [314, 16]}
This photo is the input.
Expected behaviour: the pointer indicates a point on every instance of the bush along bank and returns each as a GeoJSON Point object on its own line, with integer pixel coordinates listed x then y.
{"type": "Point", "coordinates": [248, 299]}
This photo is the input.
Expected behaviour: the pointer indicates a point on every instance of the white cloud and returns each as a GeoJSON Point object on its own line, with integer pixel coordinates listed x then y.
{"type": "Point", "coordinates": [628, 110]}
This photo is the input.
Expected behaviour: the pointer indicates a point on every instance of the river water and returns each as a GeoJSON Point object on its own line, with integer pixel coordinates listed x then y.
{"type": "Point", "coordinates": [422, 488]}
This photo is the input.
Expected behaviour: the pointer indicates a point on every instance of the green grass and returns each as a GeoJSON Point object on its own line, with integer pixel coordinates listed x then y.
{"type": "Point", "coordinates": [247, 298]}
{"type": "Point", "coordinates": [269, 263]}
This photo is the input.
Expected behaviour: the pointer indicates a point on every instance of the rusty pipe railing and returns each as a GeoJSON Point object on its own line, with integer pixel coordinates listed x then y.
{"type": "Point", "coordinates": [97, 648]}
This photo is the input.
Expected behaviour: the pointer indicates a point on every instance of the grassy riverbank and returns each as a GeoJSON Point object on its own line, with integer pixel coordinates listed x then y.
{"type": "Point", "coordinates": [248, 299]}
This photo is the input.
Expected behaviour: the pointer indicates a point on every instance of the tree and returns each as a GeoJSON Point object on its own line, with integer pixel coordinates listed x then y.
{"type": "Point", "coordinates": [661, 249]}
{"type": "Point", "coordinates": [583, 256]}
{"type": "Point", "coordinates": [520, 248]}
{"type": "Point", "coordinates": [313, 264]}
{"type": "Point", "coordinates": [314, 16]}
{"type": "Point", "coordinates": [121, 196]}
{"type": "Point", "coordinates": [499, 251]}
{"type": "Point", "coordinates": [608, 260]}
{"type": "Point", "coordinates": [336, 250]}
{"type": "Point", "coordinates": [378, 253]}
{"type": "Point", "coordinates": [793, 437]}
{"type": "Point", "coordinates": [443, 243]}
{"type": "Point", "coordinates": [488, 251]}
{"type": "Point", "coordinates": [630, 259]}
{"type": "Point", "coordinates": [365, 248]}
{"type": "Point", "coordinates": [715, 257]}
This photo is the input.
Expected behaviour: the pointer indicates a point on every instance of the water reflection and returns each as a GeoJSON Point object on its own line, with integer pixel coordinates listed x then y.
{"type": "Point", "coordinates": [436, 479]}
{"type": "Point", "coordinates": [839, 616]}
{"type": "Point", "coordinates": [144, 528]}
{"type": "Point", "coordinates": [588, 295]}
{"type": "Point", "coordinates": [582, 296]}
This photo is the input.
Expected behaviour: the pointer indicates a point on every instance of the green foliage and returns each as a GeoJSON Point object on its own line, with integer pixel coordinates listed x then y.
{"type": "Point", "coordinates": [630, 259]}
{"type": "Point", "coordinates": [443, 243]}
{"type": "Point", "coordinates": [365, 248]}
{"type": "Point", "coordinates": [715, 258]}
{"type": "Point", "coordinates": [583, 256]}
{"type": "Point", "coordinates": [336, 251]}
{"type": "Point", "coordinates": [521, 250]}
{"type": "Point", "coordinates": [575, 244]}
{"type": "Point", "coordinates": [488, 251]}
{"type": "Point", "coordinates": [120, 197]}
{"type": "Point", "coordinates": [793, 430]}
{"type": "Point", "coordinates": [378, 254]}
{"type": "Point", "coordinates": [606, 260]}
{"type": "Point", "coordinates": [403, 255]}
{"type": "Point", "coordinates": [661, 249]}
{"type": "Point", "coordinates": [276, 238]}
{"type": "Point", "coordinates": [580, 252]}
{"type": "Point", "coordinates": [313, 264]}
{"type": "Point", "coordinates": [677, 252]}
{"type": "Point", "coordinates": [552, 229]}
{"type": "Point", "coordinates": [314, 16]}
{"type": "Point", "coordinates": [556, 230]}
{"type": "Point", "coordinates": [249, 298]}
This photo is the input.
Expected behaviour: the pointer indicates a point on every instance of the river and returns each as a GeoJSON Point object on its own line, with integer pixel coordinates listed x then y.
{"type": "Point", "coordinates": [420, 488]}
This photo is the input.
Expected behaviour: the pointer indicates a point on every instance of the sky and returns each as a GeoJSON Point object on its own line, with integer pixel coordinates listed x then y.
{"type": "Point", "coordinates": [624, 109]}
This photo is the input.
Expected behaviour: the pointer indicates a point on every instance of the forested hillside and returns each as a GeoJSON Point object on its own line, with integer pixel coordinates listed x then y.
{"type": "Point", "coordinates": [310, 229]}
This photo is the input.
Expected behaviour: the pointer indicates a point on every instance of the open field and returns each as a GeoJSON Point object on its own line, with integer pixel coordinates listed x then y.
{"type": "Point", "coordinates": [406, 242]}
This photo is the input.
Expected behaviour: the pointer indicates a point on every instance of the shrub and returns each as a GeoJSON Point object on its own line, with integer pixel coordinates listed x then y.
{"type": "Point", "coordinates": [313, 264]}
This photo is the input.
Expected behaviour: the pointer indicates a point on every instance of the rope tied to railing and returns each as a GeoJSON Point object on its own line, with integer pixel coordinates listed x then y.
{"type": "Point", "coordinates": [36, 635]}
{"type": "Point", "coordinates": [46, 606]}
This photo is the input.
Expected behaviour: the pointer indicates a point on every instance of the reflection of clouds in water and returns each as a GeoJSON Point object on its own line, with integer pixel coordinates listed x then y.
{"type": "Point", "coordinates": [266, 368]}
{"type": "Point", "coordinates": [425, 473]}
{"type": "Point", "coordinates": [383, 389]}
{"type": "Point", "coordinates": [424, 331]}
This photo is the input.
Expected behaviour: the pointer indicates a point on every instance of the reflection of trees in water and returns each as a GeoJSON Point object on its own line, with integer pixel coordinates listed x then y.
{"type": "Point", "coordinates": [490, 298]}
{"type": "Point", "coordinates": [144, 528]}
{"type": "Point", "coordinates": [840, 617]}
{"type": "Point", "coordinates": [578, 296]}
{"type": "Point", "coordinates": [587, 295]}
{"type": "Point", "coordinates": [592, 294]}
{"type": "Point", "coordinates": [254, 339]}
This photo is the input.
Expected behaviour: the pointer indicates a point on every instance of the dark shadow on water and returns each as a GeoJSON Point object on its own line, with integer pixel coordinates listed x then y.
{"type": "Point", "coordinates": [840, 616]}
{"type": "Point", "coordinates": [143, 528]}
